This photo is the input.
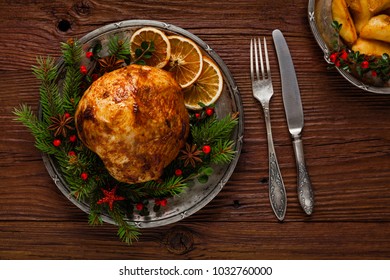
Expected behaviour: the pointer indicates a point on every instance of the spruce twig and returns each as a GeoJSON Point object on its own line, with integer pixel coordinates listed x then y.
{"type": "Point", "coordinates": [170, 187]}
{"type": "Point", "coordinates": [213, 130]}
{"type": "Point", "coordinates": [120, 48]}
{"type": "Point", "coordinates": [223, 152]}
{"type": "Point", "coordinates": [47, 72]}
{"type": "Point", "coordinates": [37, 128]}
{"type": "Point", "coordinates": [72, 52]}
{"type": "Point", "coordinates": [127, 232]}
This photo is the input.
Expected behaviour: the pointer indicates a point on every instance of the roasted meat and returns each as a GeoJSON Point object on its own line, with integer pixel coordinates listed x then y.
{"type": "Point", "coordinates": [135, 119]}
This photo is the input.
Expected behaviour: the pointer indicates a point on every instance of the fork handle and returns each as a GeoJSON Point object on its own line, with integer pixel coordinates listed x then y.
{"type": "Point", "coordinates": [277, 191]}
{"type": "Point", "coordinates": [305, 193]}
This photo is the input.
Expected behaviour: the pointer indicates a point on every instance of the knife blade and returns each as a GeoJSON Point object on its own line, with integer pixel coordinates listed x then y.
{"type": "Point", "coordinates": [294, 115]}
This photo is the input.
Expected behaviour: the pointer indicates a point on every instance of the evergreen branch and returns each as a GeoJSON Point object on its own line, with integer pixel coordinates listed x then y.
{"type": "Point", "coordinates": [213, 130]}
{"type": "Point", "coordinates": [170, 187]}
{"type": "Point", "coordinates": [133, 191]}
{"type": "Point", "coordinates": [94, 218]}
{"type": "Point", "coordinates": [73, 166]}
{"type": "Point", "coordinates": [223, 152]}
{"type": "Point", "coordinates": [71, 52]}
{"type": "Point", "coordinates": [38, 129]}
{"type": "Point", "coordinates": [71, 89]}
{"type": "Point", "coordinates": [120, 48]}
{"type": "Point", "coordinates": [79, 189]}
{"type": "Point", "coordinates": [127, 232]}
{"type": "Point", "coordinates": [46, 71]}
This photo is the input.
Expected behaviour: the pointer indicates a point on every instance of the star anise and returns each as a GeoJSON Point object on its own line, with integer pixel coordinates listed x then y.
{"type": "Point", "coordinates": [191, 155]}
{"type": "Point", "coordinates": [110, 63]}
{"type": "Point", "coordinates": [60, 124]}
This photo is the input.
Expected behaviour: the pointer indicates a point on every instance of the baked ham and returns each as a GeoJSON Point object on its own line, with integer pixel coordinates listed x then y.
{"type": "Point", "coordinates": [135, 119]}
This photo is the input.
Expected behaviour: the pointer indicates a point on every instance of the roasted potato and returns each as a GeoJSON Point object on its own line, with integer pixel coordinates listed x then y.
{"type": "Point", "coordinates": [342, 15]}
{"type": "Point", "coordinates": [354, 5]}
{"type": "Point", "coordinates": [371, 47]}
{"type": "Point", "coordinates": [377, 28]}
{"type": "Point", "coordinates": [365, 24]}
{"type": "Point", "coordinates": [363, 10]}
{"type": "Point", "coordinates": [377, 6]}
{"type": "Point", "coordinates": [362, 15]}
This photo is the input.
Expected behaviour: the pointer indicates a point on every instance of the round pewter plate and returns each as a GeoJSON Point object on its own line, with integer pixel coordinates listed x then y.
{"type": "Point", "coordinates": [320, 19]}
{"type": "Point", "coordinates": [197, 195]}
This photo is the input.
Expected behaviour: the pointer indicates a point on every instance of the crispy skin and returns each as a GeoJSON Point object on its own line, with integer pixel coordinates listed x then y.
{"type": "Point", "coordinates": [135, 119]}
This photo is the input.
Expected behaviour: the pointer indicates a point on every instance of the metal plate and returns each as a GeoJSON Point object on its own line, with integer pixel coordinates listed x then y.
{"type": "Point", "coordinates": [320, 19]}
{"type": "Point", "coordinates": [197, 195]}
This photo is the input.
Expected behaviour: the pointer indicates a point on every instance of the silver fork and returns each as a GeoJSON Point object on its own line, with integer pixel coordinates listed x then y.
{"type": "Point", "coordinates": [263, 91]}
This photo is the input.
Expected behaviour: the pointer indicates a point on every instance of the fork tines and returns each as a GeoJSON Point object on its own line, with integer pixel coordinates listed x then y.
{"type": "Point", "coordinates": [256, 54]}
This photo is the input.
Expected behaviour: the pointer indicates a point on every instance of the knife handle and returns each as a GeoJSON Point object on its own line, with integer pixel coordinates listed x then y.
{"type": "Point", "coordinates": [277, 191]}
{"type": "Point", "coordinates": [305, 192]}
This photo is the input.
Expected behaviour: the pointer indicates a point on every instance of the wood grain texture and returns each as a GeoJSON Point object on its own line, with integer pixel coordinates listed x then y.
{"type": "Point", "coordinates": [346, 141]}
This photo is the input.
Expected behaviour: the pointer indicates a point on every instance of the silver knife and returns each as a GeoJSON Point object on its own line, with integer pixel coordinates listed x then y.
{"type": "Point", "coordinates": [294, 114]}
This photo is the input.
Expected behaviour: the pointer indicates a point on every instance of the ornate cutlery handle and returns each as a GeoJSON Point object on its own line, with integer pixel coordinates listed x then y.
{"type": "Point", "coordinates": [305, 192]}
{"type": "Point", "coordinates": [277, 191]}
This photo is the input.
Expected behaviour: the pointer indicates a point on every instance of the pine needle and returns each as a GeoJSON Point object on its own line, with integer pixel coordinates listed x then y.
{"type": "Point", "coordinates": [127, 232]}
{"type": "Point", "coordinates": [170, 187]}
{"type": "Point", "coordinates": [38, 129]}
{"type": "Point", "coordinates": [213, 130]}
{"type": "Point", "coordinates": [72, 51]}
{"type": "Point", "coordinates": [223, 152]}
{"type": "Point", "coordinates": [46, 71]}
{"type": "Point", "coordinates": [120, 48]}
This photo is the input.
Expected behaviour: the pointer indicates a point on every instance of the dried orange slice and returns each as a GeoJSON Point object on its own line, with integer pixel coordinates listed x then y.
{"type": "Point", "coordinates": [150, 45]}
{"type": "Point", "coordinates": [185, 62]}
{"type": "Point", "coordinates": [207, 88]}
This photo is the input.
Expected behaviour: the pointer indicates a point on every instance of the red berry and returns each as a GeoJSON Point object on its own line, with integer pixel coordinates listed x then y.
{"type": "Point", "coordinates": [206, 149]}
{"type": "Point", "coordinates": [344, 55]}
{"type": "Point", "coordinates": [89, 54]}
{"type": "Point", "coordinates": [333, 57]}
{"type": "Point", "coordinates": [67, 115]}
{"type": "Point", "coordinates": [178, 172]}
{"type": "Point", "coordinates": [57, 142]}
{"type": "Point", "coordinates": [71, 154]}
{"type": "Point", "coordinates": [365, 64]}
{"type": "Point", "coordinates": [84, 176]}
{"type": "Point", "coordinates": [374, 73]}
{"type": "Point", "coordinates": [209, 111]}
{"type": "Point", "coordinates": [83, 70]}
{"type": "Point", "coordinates": [163, 202]}
{"type": "Point", "coordinates": [139, 206]}
{"type": "Point", "coordinates": [72, 138]}
{"type": "Point", "coordinates": [197, 115]}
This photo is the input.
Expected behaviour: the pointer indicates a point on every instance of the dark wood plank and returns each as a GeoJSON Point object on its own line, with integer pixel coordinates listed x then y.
{"type": "Point", "coordinates": [198, 240]}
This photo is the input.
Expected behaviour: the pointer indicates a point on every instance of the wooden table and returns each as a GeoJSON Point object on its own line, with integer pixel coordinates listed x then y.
{"type": "Point", "coordinates": [346, 140]}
